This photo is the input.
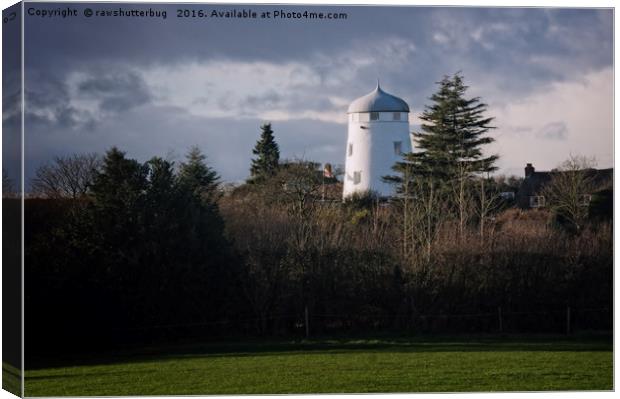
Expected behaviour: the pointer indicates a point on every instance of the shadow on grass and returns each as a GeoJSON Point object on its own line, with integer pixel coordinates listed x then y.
{"type": "Point", "coordinates": [82, 375]}
{"type": "Point", "coordinates": [336, 345]}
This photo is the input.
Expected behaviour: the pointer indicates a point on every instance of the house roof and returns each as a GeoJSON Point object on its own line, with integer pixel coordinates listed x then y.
{"type": "Point", "coordinates": [533, 183]}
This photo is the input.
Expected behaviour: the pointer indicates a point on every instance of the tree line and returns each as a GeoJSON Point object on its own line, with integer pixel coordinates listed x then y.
{"type": "Point", "coordinates": [119, 251]}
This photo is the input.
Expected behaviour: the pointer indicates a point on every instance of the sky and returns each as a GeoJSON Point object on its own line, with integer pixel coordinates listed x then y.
{"type": "Point", "coordinates": [155, 87]}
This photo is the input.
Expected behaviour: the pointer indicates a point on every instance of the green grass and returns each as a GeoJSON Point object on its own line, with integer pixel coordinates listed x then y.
{"type": "Point", "coordinates": [338, 366]}
{"type": "Point", "coordinates": [11, 379]}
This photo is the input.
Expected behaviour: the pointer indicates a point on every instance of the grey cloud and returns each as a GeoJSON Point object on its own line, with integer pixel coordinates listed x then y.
{"type": "Point", "coordinates": [48, 103]}
{"type": "Point", "coordinates": [11, 109]}
{"type": "Point", "coordinates": [518, 130]}
{"type": "Point", "coordinates": [45, 91]}
{"type": "Point", "coordinates": [226, 102]}
{"type": "Point", "coordinates": [11, 135]}
{"type": "Point", "coordinates": [310, 102]}
{"type": "Point", "coordinates": [553, 131]}
{"type": "Point", "coordinates": [264, 101]}
{"type": "Point", "coordinates": [519, 46]}
{"type": "Point", "coordinates": [201, 101]}
{"type": "Point", "coordinates": [116, 92]}
{"type": "Point", "coordinates": [523, 35]}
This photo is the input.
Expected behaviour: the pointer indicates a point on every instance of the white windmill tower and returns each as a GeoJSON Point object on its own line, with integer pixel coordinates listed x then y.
{"type": "Point", "coordinates": [378, 136]}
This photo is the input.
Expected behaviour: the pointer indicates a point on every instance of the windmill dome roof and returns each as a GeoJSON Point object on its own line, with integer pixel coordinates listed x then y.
{"type": "Point", "coordinates": [378, 101]}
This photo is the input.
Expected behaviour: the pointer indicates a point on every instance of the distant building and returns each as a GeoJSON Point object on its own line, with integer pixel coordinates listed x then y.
{"type": "Point", "coordinates": [530, 194]}
{"type": "Point", "coordinates": [378, 136]}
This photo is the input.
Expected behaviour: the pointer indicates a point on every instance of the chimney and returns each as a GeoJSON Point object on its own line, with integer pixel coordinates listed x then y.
{"type": "Point", "coordinates": [327, 171]}
{"type": "Point", "coordinates": [529, 170]}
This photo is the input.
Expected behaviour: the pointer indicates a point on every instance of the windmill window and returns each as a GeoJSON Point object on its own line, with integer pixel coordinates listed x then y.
{"type": "Point", "coordinates": [374, 116]}
{"type": "Point", "coordinates": [398, 147]}
{"type": "Point", "coordinates": [357, 177]}
{"type": "Point", "coordinates": [350, 149]}
{"type": "Point", "coordinates": [396, 116]}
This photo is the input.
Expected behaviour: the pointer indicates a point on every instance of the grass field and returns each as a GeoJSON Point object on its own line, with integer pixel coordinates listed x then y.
{"type": "Point", "coordinates": [339, 366]}
{"type": "Point", "coordinates": [11, 379]}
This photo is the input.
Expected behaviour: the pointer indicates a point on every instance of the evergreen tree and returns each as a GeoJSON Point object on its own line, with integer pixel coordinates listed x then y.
{"type": "Point", "coordinates": [453, 132]}
{"type": "Point", "coordinates": [151, 235]}
{"type": "Point", "coordinates": [267, 153]}
{"type": "Point", "coordinates": [196, 176]}
{"type": "Point", "coordinates": [450, 150]}
{"type": "Point", "coordinates": [119, 189]}
{"type": "Point", "coordinates": [111, 235]}
{"type": "Point", "coordinates": [205, 248]}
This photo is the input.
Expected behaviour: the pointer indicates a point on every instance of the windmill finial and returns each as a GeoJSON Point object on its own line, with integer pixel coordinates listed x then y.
{"type": "Point", "coordinates": [378, 85]}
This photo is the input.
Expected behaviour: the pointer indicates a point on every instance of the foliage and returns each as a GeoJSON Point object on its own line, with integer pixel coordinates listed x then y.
{"type": "Point", "coordinates": [439, 180]}
{"type": "Point", "coordinates": [155, 254]}
{"type": "Point", "coordinates": [197, 177]}
{"type": "Point", "coordinates": [360, 200]}
{"type": "Point", "coordinates": [453, 133]}
{"type": "Point", "coordinates": [450, 151]}
{"type": "Point", "coordinates": [267, 153]}
{"type": "Point", "coordinates": [147, 249]}
{"type": "Point", "coordinates": [508, 183]}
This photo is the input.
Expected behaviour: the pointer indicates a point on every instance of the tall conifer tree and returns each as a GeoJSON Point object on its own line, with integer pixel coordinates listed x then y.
{"type": "Point", "coordinates": [450, 149]}
{"type": "Point", "coordinates": [453, 133]}
{"type": "Point", "coordinates": [451, 138]}
{"type": "Point", "coordinates": [267, 154]}
{"type": "Point", "coordinates": [199, 177]}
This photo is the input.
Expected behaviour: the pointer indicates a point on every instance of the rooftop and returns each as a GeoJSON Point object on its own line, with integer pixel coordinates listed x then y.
{"type": "Point", "coordinates": [378, 101]}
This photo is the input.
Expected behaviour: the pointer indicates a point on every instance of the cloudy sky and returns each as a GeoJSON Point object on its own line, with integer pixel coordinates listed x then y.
{"type": "Point", "coordinates": [155, 86]}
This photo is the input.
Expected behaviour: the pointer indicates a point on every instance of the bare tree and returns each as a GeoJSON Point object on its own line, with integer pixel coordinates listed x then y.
{"type": "Point", "coordinates": [260, 234]}
{"type": "Point", "coordinates": [66, 177]}
{"type": "Point", "coordinates": [461, 194]}
{"type": "Point", "coordinates": [430, 211]}
{"type": "Point", "coordinates": [298, 185]}
{"type": "Point", "coordinates": [570, 188]}
{"type": "Point", "coordinates": [487, 202]}
{"type": "Point", "coordinates": [300, 189]}
{"type": "Point", "coordinates": [424, 202]}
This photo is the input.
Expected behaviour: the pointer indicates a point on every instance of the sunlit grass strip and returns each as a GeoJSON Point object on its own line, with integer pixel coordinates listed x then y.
{"type": "Point", "coordinates": [360, 367]}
